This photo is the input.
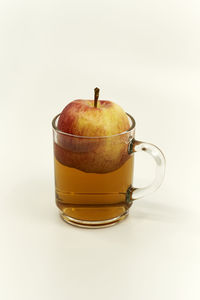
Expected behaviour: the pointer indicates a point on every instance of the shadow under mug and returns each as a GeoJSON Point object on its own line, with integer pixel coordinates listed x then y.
{"type": "Point", "coordinates": [94, 175]}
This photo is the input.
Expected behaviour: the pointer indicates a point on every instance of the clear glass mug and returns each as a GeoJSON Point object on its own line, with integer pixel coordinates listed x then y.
{"type": "Point", "coordinates": [94, 176]}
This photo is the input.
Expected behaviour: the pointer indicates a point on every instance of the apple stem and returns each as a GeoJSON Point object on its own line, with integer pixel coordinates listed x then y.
{"type": "Point", "coordinates": [96, 96]}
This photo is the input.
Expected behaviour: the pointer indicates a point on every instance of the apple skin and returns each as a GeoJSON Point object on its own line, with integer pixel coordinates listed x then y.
{"type": "Point", "coordinates": [98, 154]}
{"type": "Point", "coordinates": [81, 118]}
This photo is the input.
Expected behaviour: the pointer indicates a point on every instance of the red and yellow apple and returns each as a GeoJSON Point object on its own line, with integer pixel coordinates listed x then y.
{"type": "Point", "coordinates": [92, 143]}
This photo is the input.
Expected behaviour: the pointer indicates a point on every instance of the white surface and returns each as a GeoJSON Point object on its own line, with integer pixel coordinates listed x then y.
{"type": "Point", "coordinates": [145, 56]}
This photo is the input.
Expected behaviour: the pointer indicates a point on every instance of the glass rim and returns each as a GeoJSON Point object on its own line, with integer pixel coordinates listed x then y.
{"type": "Point", "coordinates": [93, 137]}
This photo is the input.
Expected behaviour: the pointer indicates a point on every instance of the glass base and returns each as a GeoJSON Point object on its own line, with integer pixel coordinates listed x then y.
{"type": "Point", "coordinates": [93, 224]}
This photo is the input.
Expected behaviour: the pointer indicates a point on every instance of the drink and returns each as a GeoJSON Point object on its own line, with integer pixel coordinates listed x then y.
{"type": "Point", "coordinates": [93, 175]}
{"type": "Point", "coordinates": [91, 196]}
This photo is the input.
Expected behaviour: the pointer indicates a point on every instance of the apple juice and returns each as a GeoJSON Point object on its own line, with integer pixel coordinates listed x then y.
{"type": "Point", "coordinates": [92, 196]}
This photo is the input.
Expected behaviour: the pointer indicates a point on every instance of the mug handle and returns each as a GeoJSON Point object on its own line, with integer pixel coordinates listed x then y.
{"type": "Point", "coordinates": [158, 156]}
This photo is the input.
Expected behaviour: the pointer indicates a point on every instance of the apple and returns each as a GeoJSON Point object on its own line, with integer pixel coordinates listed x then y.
{"type": "Point", "coordinates": [92, 143]}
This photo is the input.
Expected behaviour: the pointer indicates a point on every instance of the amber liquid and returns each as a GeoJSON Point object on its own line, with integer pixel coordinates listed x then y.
{"type": "Point", "coordinates": [91, 196]}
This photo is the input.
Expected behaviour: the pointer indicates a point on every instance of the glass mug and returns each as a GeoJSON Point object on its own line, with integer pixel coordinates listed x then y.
{"type": "Point", "coordinates": [94, 176]}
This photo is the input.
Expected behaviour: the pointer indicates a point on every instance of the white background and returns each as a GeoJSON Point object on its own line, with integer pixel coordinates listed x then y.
{"type": "Point", "coordinates": [144, 55]}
